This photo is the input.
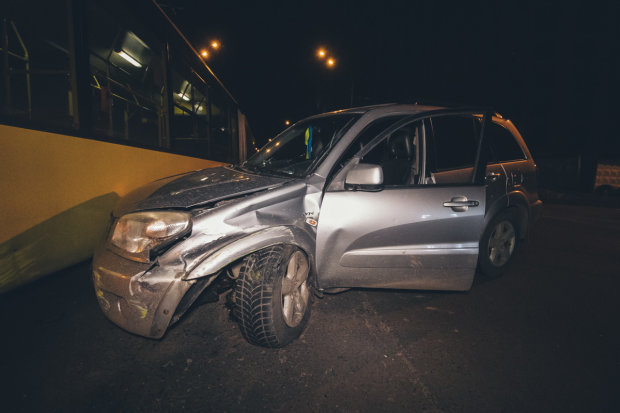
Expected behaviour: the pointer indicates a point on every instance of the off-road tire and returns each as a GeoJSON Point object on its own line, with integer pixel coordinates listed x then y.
{"type": "Point", "coordinates": [505, 222]}
{"type": "Point", "coordinates": [258, 299]}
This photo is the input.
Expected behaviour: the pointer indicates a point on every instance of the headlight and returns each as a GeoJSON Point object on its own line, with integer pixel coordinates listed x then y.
{"type": "Point", "coordinates": [142, 232]}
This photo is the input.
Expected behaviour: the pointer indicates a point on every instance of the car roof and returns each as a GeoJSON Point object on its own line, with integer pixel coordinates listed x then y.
{"type": "Point", "coordinates": [377, 111]}
{"type": "Point", "coordinates": [387, 108]}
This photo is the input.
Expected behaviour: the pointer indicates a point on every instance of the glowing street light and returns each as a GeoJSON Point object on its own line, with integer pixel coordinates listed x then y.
{"type": "Point", "coordinates": [325, 57]}
{"type": "Point", "coordinates": [287, 122]}
{"type": "Point", "coordinates": [322, 54]}
{"type": "Point", "coordinates": [214, 46]}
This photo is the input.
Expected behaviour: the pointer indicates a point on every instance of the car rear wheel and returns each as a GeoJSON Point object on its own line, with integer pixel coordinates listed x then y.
{"type": "Point", "coordinates": [498, 244]}
{"type": "Point", "coordinates": [272, 296]}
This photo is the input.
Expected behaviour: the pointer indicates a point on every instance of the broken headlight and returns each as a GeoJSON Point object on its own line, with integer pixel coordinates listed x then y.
{"type": "Point", "coordinates": [140, 234]}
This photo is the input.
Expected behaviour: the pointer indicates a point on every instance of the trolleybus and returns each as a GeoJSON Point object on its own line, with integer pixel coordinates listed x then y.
{"type": "Point", "coordinates": [97, 97]}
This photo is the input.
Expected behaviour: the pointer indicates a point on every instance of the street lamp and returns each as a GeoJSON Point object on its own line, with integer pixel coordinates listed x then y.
{"type": "Point", "coordinates": [326, 57]}
{"type": "Point", "coordinates": [214, 46]}
{"type": "Point", "coordinates": [322, 54]}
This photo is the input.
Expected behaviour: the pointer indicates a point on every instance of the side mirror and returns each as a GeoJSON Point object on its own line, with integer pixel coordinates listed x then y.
{"type": "Point", "coordinates": [364, 176]}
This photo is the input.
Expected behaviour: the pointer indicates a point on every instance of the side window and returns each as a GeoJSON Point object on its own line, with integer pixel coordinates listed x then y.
{"type": "Point", "coordinates": [127, 77]}
{"type": "Point", "coordinates": [504, 147]}
{"type": "Point", "coordinates": [367, 134]}
{"type": "Point", "coordinates": [452, 145]}
{"type": "Point", "coordinates": [36, 71]}
{"type": "Point", "coordinates": [189, 129]}
{"type": "Point", "coordinates": [398, 156]}
{"type": "Point", "coordinates": [370, 132]}
{"type": "Point", "coordinates": [454, 141]}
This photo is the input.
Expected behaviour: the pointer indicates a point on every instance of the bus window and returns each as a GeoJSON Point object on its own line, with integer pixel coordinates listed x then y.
{"type": "Point", "coordinates": [221, 126]}
{"type": "Point", "coordinates": [190, 132]}
{"type": "Point", "coordinates": [36, 88]}
{"type": "Point", "coordinates": [127, 80]}
{"type": "Point", "coordinates": [106, 70]}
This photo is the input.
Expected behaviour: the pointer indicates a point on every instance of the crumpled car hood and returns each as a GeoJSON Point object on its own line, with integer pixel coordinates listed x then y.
{"type": "Point", "coordinates": [195, 188]}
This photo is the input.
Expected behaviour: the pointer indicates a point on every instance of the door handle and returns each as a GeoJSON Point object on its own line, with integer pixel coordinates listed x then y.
{"type": "Point", "coordinates": [460, 204]}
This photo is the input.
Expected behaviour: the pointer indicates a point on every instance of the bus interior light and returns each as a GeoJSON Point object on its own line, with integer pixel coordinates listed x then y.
{"type": "Point", "coordinates": [130, 59]}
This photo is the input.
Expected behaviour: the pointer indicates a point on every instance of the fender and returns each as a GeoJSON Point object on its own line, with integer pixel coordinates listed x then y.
{"type": "Point", "coordinates": [496, 207]}
{"type": "Point", "coordinates": [517, 200]}
{"type": "Point", "coordinates": [216, 260]}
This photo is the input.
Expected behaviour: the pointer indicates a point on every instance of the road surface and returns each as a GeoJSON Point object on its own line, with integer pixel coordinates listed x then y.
{"type": "Point", "coordinates": [543, 337]}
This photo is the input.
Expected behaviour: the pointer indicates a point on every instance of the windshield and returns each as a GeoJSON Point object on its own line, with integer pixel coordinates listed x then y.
{"type": "Point", "coordinates": [297, 151]}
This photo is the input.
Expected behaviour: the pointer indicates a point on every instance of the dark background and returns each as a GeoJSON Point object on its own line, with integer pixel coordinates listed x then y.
{"type": "Point", "coordinates": [551, 67]}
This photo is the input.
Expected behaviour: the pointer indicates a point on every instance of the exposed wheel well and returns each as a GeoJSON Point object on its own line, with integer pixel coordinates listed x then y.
{"type": "Point", "coordinates": [522, 216]}
{"type": "Point", "coordinates": [235, 267]}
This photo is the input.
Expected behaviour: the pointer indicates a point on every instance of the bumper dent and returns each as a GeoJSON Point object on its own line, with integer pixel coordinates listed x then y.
{"type": "Point", "coordinates": [138, 299]}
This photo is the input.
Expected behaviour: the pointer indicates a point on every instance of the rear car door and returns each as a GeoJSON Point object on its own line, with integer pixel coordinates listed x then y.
{"type": "Point", "coordinates": [506, 151]}
{"type": "Point", "coordinates": [453, 167]}
{"type": "Point", "coordinates": [408, 232]}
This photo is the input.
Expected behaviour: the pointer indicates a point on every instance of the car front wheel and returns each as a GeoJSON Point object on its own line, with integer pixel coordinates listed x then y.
{"type": "Point", "coordinates": [272, 296]}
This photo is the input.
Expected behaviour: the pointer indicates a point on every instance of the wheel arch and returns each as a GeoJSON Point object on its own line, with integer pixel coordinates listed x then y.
{"type": "Point", "coordinates": [518, 204]}
{"type": "Point", "coordinates": [515, 212]}
{"type": "Point", "coordinates": [251, 243]}
{"type": "Point", "coordinates": [513, 203]}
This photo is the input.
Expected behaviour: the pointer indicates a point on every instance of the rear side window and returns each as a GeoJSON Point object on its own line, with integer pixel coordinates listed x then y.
{"type": "Point", "coordinates": [504, 147]}
{"type": "Point", "coordinates": [454, 142]}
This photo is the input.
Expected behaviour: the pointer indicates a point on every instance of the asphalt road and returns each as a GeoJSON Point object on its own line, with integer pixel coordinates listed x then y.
{"type": "Point", "coordinates": [544, 337]}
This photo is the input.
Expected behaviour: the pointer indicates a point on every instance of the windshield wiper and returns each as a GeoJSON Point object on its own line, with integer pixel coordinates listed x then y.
{"type": "Point", "coordinates": [286, 172]}
{"type": "Point", "coordinates": [241, 167]}
{"type": "Point", "coordinates": [263, 170]}
{"type": "Point", "coordinates": [277, 172]}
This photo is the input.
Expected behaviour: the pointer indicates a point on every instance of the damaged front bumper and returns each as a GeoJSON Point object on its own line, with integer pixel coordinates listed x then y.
{"type": "Point", "coordinates": [141, 298]}
{"type": "Point", "coordinates": [146, 298]}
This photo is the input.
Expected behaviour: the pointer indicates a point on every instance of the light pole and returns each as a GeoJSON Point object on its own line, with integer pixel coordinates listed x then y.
{"type": "Point", "coordinates": [327, 58]}
{"type": "Point", "coordinates": [323, 55]}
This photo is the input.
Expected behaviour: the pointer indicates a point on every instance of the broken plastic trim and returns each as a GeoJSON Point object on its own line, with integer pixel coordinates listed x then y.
{"type": "Point", "coordinates": [191, 295]}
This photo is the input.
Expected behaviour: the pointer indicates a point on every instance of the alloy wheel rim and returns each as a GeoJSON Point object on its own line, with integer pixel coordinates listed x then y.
{"type": "Point", "coordinates": [295, 291]}
{"type": "Point", "coordinates": [501, 243]}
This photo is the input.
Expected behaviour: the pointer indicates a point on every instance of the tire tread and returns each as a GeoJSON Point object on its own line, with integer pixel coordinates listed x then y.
{"type": "Point", "coordinates": [253, 294]}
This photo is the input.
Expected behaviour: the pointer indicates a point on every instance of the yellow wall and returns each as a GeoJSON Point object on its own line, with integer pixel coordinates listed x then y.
{"type": "Point", "coordinates": [43, 174]}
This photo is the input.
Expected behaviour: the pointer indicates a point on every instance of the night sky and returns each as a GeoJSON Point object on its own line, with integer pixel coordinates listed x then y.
{"type": "Point", "coordinates": [551, 67]}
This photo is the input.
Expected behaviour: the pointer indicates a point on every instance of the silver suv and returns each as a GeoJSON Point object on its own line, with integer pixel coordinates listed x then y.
{"type": "Point", "coordinates": [391, 196]}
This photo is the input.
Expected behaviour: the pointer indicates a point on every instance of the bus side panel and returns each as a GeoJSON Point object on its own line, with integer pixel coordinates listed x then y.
{"type": "Point", "coordinates": [57, 193]}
